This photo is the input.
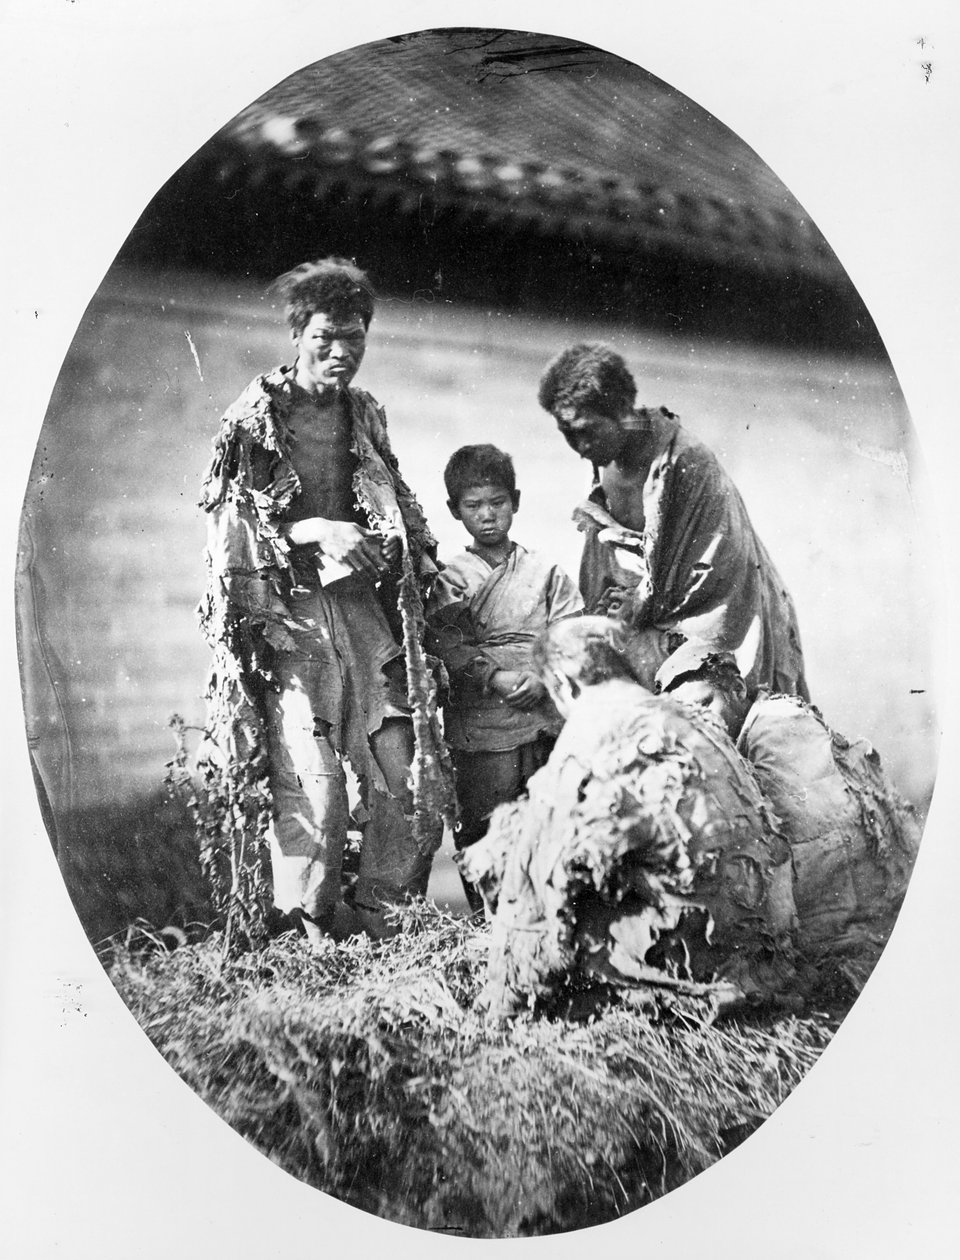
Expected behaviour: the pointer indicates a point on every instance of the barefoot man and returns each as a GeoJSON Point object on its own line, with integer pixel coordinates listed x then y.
{"type": "Point", "coordinates": [317, 554]}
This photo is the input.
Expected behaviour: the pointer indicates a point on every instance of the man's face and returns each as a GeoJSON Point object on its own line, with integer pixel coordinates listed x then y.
{"type": "Point", "coordinates": [592, 435]}
{"type": "Point", "coordinates": [329, 352]}
{"type": "Point", "coordinates": [487, 513]}
{"type": "Point", "coordinates": [704, 694]}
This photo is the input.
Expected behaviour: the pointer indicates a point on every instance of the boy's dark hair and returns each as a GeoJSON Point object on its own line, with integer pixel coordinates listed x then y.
{"type": "Point", "coordinates": [482, 465]}
{"type": "Point", "coordinates": [590, 375]}
{"type": "Point", "coordinates": [334, 286]}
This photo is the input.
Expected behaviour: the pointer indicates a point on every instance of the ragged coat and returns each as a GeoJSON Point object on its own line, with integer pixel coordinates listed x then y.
{"type": "Point", "coordinates": [697, 569]}
{"type": "Point", "coordinates": [644, 853]}
{"type": "Point", "coordinates": [853, 838]}
{"type": "Point", "coordinates": [246, 616]}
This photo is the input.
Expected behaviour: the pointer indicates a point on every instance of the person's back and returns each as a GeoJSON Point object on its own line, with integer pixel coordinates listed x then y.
{"type": "Point", "coordinates": [643, 854]}
{"type": "Point", "coordinates": [854, 840]}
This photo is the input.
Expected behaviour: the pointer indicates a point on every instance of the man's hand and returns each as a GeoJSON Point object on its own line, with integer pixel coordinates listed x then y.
{"type": "Point", "coordinates": [391, 549]}
{"type": "Point", "coordinates": [345, 543]}
{"type": "Point", "coordinates": [612, 602]}
{"type": "Point", "coordinates": [521, 689]}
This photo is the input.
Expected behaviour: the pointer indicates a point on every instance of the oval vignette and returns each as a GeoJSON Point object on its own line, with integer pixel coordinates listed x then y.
{"type": "Point", "coordinates": [506, 212]}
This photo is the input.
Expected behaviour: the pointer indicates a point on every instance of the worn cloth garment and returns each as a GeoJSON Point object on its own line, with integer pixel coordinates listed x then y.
{"type": "Point", "coordinates": [696, 569]}
{"type": "Point", "coordinates": [303, 674]}
{"type": "Point", "coordinates": [488, 779]}
{"type": "Point", "coordinates": [485, 780]}
{"type": "Point", "coordinates": [486, 618]}
{"type": "Point", "coordinates": [853, 838]}
{"type": "Point", "coordinates": [643, 853]}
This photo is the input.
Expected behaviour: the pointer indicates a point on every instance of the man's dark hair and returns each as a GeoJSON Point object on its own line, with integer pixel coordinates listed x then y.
{"type": "Point", "coordinates": [590, 375]}
{"type": "Point", "coordinates": [335, 286]}
{"type": "Point", "coordinates": [482, 465]}
{"type": "Point", "coordinates": [718, 668]}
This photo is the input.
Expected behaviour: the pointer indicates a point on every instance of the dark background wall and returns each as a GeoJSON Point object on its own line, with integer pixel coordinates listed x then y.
{"type": "Point", "coordinates": [819, 445]}
{"type": "Point", "coordinates": [778, 367]}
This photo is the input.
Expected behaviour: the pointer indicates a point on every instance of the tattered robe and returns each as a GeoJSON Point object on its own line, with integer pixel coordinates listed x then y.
{"type": "Point", "coordinates": [485, 618]}
{"type": "Point", "coordinates": [853, 839]}
{"type": "Point", "coordinates": [644, 853]}
{"type": "Point", "coordinates": [253, 617]}
{"type": "Point", "coordinates": [696, 569]}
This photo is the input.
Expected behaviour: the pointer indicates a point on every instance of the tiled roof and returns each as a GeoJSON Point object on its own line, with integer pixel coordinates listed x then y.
{"type": "Point", "coordinates": [524, 130]}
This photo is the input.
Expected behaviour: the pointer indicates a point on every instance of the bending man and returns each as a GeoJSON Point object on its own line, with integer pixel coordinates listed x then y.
{"type": "Point", "coordinates": [669, 545]}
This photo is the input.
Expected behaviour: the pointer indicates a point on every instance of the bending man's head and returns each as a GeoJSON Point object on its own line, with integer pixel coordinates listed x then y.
{"type": "Point", "coordinates": [699, 675]}
{"type": "Point", "coordinates": [589, 376]}
{"type": "Point", "coordinates": [581, 652]}
{"type": "Point", "coordinates": [589, 391]}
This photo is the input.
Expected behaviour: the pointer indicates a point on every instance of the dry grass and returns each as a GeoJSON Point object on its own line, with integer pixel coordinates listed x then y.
{"type": "Point", "coordinates": [364, 1071]}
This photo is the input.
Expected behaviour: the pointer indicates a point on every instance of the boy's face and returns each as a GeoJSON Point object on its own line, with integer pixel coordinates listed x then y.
{"type": "Point", "coordinates": [329, 352]}
{"type": "Point", "coordinates": [486, 513]}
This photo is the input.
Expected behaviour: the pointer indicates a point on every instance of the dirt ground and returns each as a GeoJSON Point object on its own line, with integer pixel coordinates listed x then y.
{"type": "Point", "coordinates": [820, 448]}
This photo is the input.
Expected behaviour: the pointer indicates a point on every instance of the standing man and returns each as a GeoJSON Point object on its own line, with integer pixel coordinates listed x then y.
{"type": "Point", "coordinates": [316, 562]}
{"type": "Point", "coordinates": [669, 545]}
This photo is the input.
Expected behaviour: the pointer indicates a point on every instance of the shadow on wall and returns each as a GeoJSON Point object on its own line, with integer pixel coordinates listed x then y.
{"type": "Point", "coordinates": [137, 864]}
{"type": "Point", "coordinates": [136, 861]}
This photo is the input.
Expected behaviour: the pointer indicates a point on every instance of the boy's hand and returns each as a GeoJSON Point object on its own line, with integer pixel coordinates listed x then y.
{"type": "Point", "coordinates": [528, 692]}
{"type": "Point", "coordinates": [505, 681]}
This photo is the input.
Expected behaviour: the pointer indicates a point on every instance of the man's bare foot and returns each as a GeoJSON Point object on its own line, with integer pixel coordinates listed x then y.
{"type": "Point", "coordinates": [335, 923]}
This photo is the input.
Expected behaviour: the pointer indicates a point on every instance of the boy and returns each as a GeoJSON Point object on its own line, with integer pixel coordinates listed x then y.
{"type": "Point", "coordinates": [488, 607]}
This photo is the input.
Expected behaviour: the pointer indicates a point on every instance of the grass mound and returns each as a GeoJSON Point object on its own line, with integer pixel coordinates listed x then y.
{"type": "Point", "coordinates": [364, 1071]}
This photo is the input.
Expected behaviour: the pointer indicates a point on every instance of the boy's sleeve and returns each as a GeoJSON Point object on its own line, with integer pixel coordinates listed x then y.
{"type": "Point", "coordinates": [454, 634]}
{"type": "Point", "coordinates": [563, 597]}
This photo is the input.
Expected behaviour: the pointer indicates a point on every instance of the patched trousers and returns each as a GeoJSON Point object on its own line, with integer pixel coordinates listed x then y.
{"type": "Point", "coordinates": [331, 694]}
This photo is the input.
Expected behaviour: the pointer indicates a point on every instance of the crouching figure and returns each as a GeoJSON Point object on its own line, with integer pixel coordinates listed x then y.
{"type": "Point", "coordinates": [852, 837]}
{"type": "Point", "coordinates": [643, 853]}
